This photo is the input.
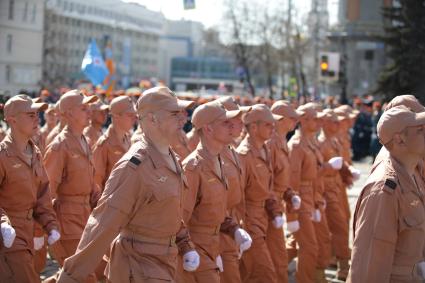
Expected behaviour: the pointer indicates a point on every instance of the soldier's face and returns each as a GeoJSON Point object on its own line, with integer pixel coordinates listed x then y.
{"type": "Point", "coordinates": [237, 127]}
{"type": "Point", "coordinates": [79, 115]}
{"type": "Point", "coordinates": [220, 131]}
{"type": "Point", "coordinates": [265, 130]}
{"type": "Point", "coordinates": [170, 123]}
{"type": "Point", "coordinates": [26, 123]}
{"type": "Point", "coordinates": [99, 117]}
{"type": "Point", "coordinates": [414, 139]}
{"type": "Point", "coordinates": [125, 121]}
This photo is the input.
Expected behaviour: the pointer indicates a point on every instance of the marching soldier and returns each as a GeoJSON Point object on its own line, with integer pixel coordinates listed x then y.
{"type": "Point", "coordinates": [69, 166]}
{"type": "Point", "coordinates": [389, 220]}
{"type": "Point", "coordinates": [140, 209]}
{"type": "Point", "coordinates": [206, 199]}
{"type": "Point", "coordinates": [260, 201]}
{"type": "Point", "coordinates": [24, 192]}
{"type": "Point", "coordinates": [98, 116]}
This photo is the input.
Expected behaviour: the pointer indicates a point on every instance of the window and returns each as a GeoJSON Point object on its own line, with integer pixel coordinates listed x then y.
{"type": "Point", "coordinates": [25, 14]}
{"type": "Point", "coordinates": [9, 43]}
{"type": "Point", "coordinates": [11, 9]}
{"type": "Point", "coordinates": [34, 13]}
{"type": "Point", "coordinates": [8, 73]}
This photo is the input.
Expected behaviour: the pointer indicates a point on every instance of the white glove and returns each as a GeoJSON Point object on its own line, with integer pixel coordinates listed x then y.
{"type": "Point", "coordinates": [8, 234]}
{"type": "Point", "coordinates": [336, 162]}
{"type": "Point", "coordinates": [316, 216]}
{"type": "Point", "coordinates": [355, 172]}
{"type": "Point", "coordinates": [420, 267]}
{"type": "Point", "coordinates": [296, 202]}
{"type": "Point", "coordinates": [38, 243]}
{"type": "Point", "coordinates": [278, 222]}
{"type": "Point", "coordinates": [293, 226]}
{"type": "Point", "coordinates": [219, 263]}
{"type": "Point", "coordinates": [243, 239]}
{"type": "Point", "coordinates": [190, 261]}
{"type": "Point", "coordinates": [53, 237]}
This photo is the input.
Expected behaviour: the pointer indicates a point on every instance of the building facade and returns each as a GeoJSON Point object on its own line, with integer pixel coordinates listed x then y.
{"type": "Point", "coordinates": [21, 45]}
{"type": "Point", "coordinates": [132, 30]}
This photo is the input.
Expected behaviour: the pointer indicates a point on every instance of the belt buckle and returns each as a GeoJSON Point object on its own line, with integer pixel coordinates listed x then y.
{"type": "Point", "coordinates": [30, 214]}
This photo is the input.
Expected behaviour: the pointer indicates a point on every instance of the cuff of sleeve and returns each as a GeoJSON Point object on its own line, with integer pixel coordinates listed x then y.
{"type": "Point", "coordinates": [64, 277]}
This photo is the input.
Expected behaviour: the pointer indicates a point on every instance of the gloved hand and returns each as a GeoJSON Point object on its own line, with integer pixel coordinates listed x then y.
{"type": "Point", "coordinates": [420, 267]}
{"type": "Point", "coordinates": [8, 234]}
{"type": "Point", "coordinates": [355, 172]}
{"type": "Point", "coordinates": [219, 263]}
{"type": "Point", "coordinates": [242, 239]}
{"type": "Point", "coordinates": [336, 162]}
{"type": "Point", "coordinates": [38, 243]}
{"type": "Point", "coordinates": [190, 261]}
{"type": "Point", "coordinates": [316, 216]}
{"type": "Point", "coordinates": [293, 226]}
{"type": "Point", "coordinates": [54, 235]}
{"type": "Point", "coordinates": [296, 202]}
{"type": "Point", "coordinates": [278, 222]}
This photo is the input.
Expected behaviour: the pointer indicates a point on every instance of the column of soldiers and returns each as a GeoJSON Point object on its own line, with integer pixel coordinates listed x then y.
{"type": "Point", "coordinates": [233, 201]}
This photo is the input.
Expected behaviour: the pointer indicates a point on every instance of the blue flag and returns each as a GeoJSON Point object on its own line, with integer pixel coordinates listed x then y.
{"type": "Point", "coordinates": [93, 65]}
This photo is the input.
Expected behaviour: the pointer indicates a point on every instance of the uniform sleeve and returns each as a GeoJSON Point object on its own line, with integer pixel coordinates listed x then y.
{"type": "Point", "coordinates": [375, 237]}
{"type": "Point", "coordinates": [54, 163]}
{"type": "Point", "coordinates": [3, 215]}
{"type": "Point", "coordinates": [100, 162]}
{"type": "Point", "coordinates": [296, 156]}
{"type": "Point", "coordinates": [119, 200]}
{"type": "Point", "coordinates": [191, 195]}
{"type": "Point", "coordinates": [43, 211]}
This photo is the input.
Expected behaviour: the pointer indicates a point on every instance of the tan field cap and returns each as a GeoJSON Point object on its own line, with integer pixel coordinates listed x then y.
{"type": "Point", "coordinates": [158, 98]}
{"type": "Point", "coordinates": [260, 113]}
{"type": "Point", "coordinates": [352, 113]}
{"type": "Point", "coordinates": [74, 98]}
{"type": "Point", "coordinates": [22, 104]}
{"type": "Point", "coordinates": [285, 109]}
{"type": "Point", "coordinates": [122, 105]}
{"type": "Point", "coordinates": [99, 106]}
{"type": "Point", "coordinates": [395, 120]}
{"type": "Point", "coordinates": [407, 100]}
{"type": "Point", "coordinates": [230, 104]}
{"type": "Point", "coordinates": [329, 115]}
{"type": "Point", "coordinates": [308, 110]}
{"type": "Point", "coordinates": [210, 112]}
{"type": "Point", "coordinates": [343, 114]}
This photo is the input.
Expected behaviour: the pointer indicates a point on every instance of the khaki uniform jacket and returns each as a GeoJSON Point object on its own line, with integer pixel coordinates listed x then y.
{"type": "Point", "coordinates": [92, 135]}
{"type": "Point", "coordinates": [71, 175]}
{"type": "Point", "coordinates": [141, 208]}
{"type": "Point", "coordinates": [304, 170]}
{"type": "Point", "coordinates": [260, 201]}
{"type": "Point", "coordinates": [205, 204]}
{"type": "Point", "coordinates": [24, 195]}
{"type": "Point", "coordinates": [389, 226]}
{"type": "Point", "coordinates": [106, 152]}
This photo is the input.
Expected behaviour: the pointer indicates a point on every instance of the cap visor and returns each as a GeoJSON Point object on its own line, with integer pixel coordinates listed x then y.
{"type": "Point", "coordinates": [183, 104]}
{"type": "Point", "coordinates": [233, 113]}
{"type": "Point", "coordinates": [277, 117]}
{"type": "Point", "coordinates": [39, 106]}
{"type": "Point", "coordinates": [245, 109]}
{"type": "Point", "coordinates": [90, 99]}
{"type": "Point", "coordinates": [321, 115]}
{"type": "Point", "coordinates": [37, 100]}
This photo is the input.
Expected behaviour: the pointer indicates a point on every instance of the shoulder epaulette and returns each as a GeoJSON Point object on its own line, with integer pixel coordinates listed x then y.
{"type": "Point", "coordinates": [390, 185]}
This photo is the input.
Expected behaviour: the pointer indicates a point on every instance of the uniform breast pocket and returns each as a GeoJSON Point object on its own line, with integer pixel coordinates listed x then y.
{"type": "Point", "coordinates": [77, 162]}
{"type": "Point", "coordinates": [162, 193]}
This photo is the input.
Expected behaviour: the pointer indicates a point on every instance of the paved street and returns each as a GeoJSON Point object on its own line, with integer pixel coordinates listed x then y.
{"type": "Point", "coordinates": [353, 194]}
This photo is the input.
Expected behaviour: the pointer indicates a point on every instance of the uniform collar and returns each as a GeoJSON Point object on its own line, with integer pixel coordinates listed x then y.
{"type": "Point", "coordinates": [12, 150]}
{"type": "Point", "coordinates": [114, 140]}
{"type": "Point", "coordinates": [406, 182]}
{"type": "Point", "coordinates": [157, 158]}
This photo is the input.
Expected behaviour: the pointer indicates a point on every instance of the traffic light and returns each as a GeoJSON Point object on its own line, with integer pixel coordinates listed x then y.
{"type": "Point", "coordinates": [324, 65]}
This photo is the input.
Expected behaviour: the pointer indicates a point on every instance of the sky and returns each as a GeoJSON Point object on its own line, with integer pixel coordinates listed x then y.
{"type": "Point", "coordinates": [209, 12]}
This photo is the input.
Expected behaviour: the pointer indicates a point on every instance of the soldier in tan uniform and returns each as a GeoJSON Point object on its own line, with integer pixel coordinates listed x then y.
{"type": "Point", "coordinates": [58, 128]}
{"type": "Point", "coordinates": [204, 208]}
{"type": "Point", "coordinates": [389, 220]}
{"type": "Point", "coordinates": [137, 135]}
{"type": "Point", "coordinates": [24, 193]}
{"type": "Point", "coordinates": [331, 150]}
{"type": "Point", "coordinates": [306, 165]}
{"type": "Point", "coordinates": [288, 200]}
{"type": "Point", "coordinates": [232, 248]}
{"type": "Point", "coordinates": [51, 117]}
{"type": "Point", "coordinates": [115, 141]}
{"type": "Point", "coordinates": [140, 209]}
{"type": "Point", "coordinates": [98, 116]}
{"type": "Point", "coordinates": [261, 204]}
{"type": "Point", "coordinates": [69, 166]}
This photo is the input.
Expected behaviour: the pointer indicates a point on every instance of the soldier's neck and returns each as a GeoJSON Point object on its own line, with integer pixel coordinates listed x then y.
{"type": "Point", "coordinates": [257, 142]}
{"type": "Point", "coordinates": [20, 141]}
{"type": "Point", "coordinates": [118, 131]}
{"type": "Point", "coordinates": [408, 161]}
{"type": "Point", "coordinates": [75, 130]}
{"type": "Point", "coordinates": [211, 145]}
